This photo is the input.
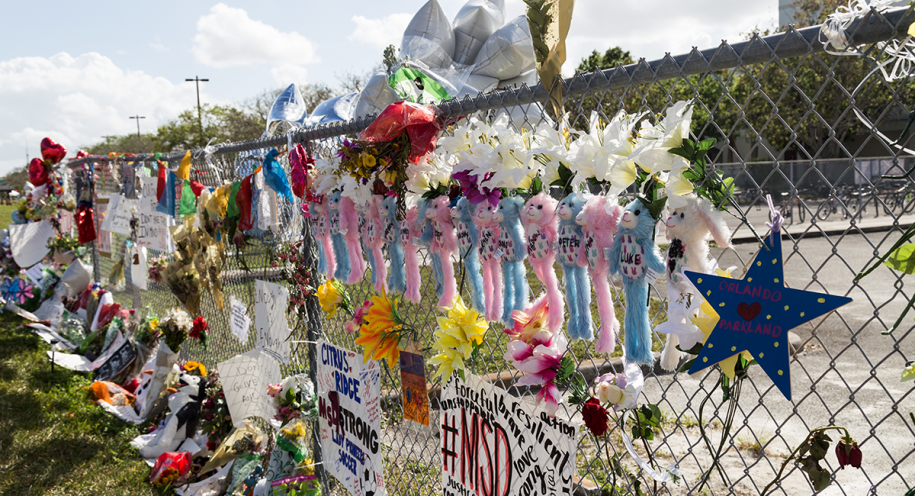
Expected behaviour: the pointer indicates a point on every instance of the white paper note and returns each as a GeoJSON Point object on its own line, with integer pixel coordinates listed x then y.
{"type": "Point", "coordinates": [29, 242]}
{"type": "Point", "coordinates": [245, 379]}
{"type": "Point", "coordinates": [34, 272]}
{"type": "Point", "coordinates": [152, 226]}
{"type": "Point", "coordinates": [238, 319]}
{"type": "Point", "coordinates": [119, 215]}
{"type": "Point", "coordinates": [138, 267]}
{"type": "Point", "coordinates": [270, 302]}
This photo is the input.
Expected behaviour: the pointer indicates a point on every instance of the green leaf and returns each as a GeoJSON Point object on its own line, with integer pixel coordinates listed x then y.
{"type": "Point", "coordinates": [902, 259]}
{"type": "Point", "coordinates": [694, 350]}
{"type": "Point", "coordinates": [729, 184]}
{"type": "Point", "coordinates": [725, 387]}
{"type": "Point", "coordinates": [908, 374]}
{"type": "Point", "coordinates": [707, 144]}
{"type": "Point", "coordinates": [686, 366]}
{"type": "Point", "coordinates": [681, 152]}
{"type": "Point", "coordinates": [536, 186]}
{"type": "Point", "coordinates": [579, 390]}
{"type": "Point", "coordinates": [566, 369]}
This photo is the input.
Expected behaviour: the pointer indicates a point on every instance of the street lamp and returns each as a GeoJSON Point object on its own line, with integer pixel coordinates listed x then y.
{"type": "Point", "coordinates": [138, 117]}
{"type": "Point", "coordinates": [197, 81]}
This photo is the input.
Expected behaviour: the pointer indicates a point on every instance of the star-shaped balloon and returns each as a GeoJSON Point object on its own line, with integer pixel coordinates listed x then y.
{"type": "Point", "coordinates": [756, 313]}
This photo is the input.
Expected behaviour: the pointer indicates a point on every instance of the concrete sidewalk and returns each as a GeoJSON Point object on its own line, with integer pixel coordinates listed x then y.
{"type": "Point", "coordinates": [815, 228]}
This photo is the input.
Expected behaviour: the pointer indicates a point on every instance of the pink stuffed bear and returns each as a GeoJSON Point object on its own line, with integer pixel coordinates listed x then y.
{"type": "Point", "coordinates": [375, 241]}
{"type": "Point", "coordinates": [598, 220]}
{"type": "Point", "coordinates": [540, 226]}
{"type": "Point", "coordinates": [349, 228]}
{"type": "Point", "coordinates": [490, 259]}
{"type": "Point", "coordinates": [444, 242]}
{"type": "Point", "coordinates": [320, 217]}
{"type": "Point", "coordinates": [410, 230]}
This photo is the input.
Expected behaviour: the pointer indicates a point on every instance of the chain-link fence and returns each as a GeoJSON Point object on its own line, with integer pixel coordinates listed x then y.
{"type": "Point", "coordinates": [791, 121]}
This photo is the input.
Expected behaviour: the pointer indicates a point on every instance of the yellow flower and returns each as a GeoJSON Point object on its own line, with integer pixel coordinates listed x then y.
{"type": "Point", "coordinates": [382, 163]}
{"type": "Point", "coordinates": [380, 331]}
{"type": "Point", "coordinates": [368, 160]}
{"type": "Point", "coordinates": [306, 467]}
{"type": "Point", "coordinates": [706, 324]}
{"type": "Point", "coordinates": [191, 367]}
{"type": "Point", "coordinates": [329, 297]}
{"type": "Point", "coordinates": [460, 330]}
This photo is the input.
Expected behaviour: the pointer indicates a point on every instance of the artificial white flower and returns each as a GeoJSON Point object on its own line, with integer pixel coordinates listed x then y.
{"type": "Point", "coordinates": [654, 142]}
{"type": "Point", "coordinates": [328, 178]}
{"type": "Point", "coordinates": [676, 185]}
{"type": "Point", "coordinates": [355, 190]}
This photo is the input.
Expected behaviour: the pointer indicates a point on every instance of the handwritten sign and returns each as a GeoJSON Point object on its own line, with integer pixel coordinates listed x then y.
{"type": "Point", "coordinates": [152, 226]}
{"type": "Point", "coordinates": [245, 379]}
{"type": "Point", "coordinates": [270, 303]}
{"type": "Point", "coordinates": [349, 418]}
{"type": "Point", "coordinates": [512, 447]}
{"type": "Point", "coordinates": [238, 319]}
{"type": "Point", "coordinates": [119, 215]}
{"type": "Point", "coordinates": [34, 272]}
{"type": "Point", "coordinates": [413, 384]}
{"type": "Point", "coordinates": [29, 242]}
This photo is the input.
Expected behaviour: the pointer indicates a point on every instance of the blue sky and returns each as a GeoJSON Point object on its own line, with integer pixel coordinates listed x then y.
{"type": "Point", "coordinates": [76, 71]}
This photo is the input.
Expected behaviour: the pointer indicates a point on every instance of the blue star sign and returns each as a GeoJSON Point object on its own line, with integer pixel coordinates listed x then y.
{"type": "Point", "coordinates": [756, 314]}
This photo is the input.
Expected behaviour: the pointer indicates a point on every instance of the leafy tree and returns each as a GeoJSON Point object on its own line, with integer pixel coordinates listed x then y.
{"type": "Point", "coordinates": [225, 123]}
{"type": "Point", "coordinates": [122, 144]}
{"type": "Point", "coordinates": [596, 61]}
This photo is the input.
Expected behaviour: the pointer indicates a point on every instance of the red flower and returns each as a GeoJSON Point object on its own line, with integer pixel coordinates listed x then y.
{"type": "Point", "coordinates": [848, 454]}
{"type": "Point", "coordinates": [200, 329]}
{"type": "Point", "coordinates": [595, 417]}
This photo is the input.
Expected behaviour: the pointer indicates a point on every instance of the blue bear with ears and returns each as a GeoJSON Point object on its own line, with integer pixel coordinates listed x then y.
{"type": "Point", "coordinates": [425, 240]}
{"type": "Point", "coordinates": [575, 277]}
{"type": "Point", "coordinates": [397, 280]}
{"type": "Point", "coordinates": [513, 244]}
{"type": "Point", "coordinates": [632, 254]}
{"type": "Point", "coordinates": [469, 250]}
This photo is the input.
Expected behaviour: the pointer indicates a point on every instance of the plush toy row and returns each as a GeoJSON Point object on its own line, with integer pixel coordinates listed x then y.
{"type": "Point", "coordinates": [591, 237]}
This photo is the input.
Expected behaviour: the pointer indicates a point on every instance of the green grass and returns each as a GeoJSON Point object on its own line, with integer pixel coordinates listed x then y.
{"type": "Point", "coordinates": [53, 440]}
{"type": "Point", "coordinates": [6, 215]}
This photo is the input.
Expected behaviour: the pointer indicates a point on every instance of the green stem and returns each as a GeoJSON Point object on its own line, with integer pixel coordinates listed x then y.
{"type": "Point", "coordinates": [906, 236]}
{"type": "Point", "coordinates": [793, 453]}
{"type": "Point", "coordinates": [609, 462]}
{"type": "Point", "coordinates": [644, 441]}
{"type": "Point", "coordinates": [908, 307]}
{"type": "Point", "coordinates": [708, 442]}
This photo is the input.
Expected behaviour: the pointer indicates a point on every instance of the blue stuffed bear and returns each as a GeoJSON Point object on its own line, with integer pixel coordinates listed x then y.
{"type": "Point", "coordinates": [632, 253]}
{"type": "Point", "coordinates": [513, 244]}
{"type": "Point", "coordinates": [575, 277]}
{"type": "Point", "coordinates": [341, 256]}
{"type": "Point", "coordinates": [397, 281]}
{"type": "Point", "coordinates": [425, 240]}
{"type": "Point", "coordinates": [469, 250]}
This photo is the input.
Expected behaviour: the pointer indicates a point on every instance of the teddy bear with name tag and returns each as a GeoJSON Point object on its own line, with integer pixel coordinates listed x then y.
{"type": "Point", "coordinates": [577, 284]}
{"type": "Point", "coordinates": [541, 227]}
{"type": "Point", "coordinates": [468, 237]}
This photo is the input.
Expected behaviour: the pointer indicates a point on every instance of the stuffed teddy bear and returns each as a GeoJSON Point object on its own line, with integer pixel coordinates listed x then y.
{"type": "Point", "coordinates": [598, 220]}
{"type": "Point", "coordinates": [578, 289]}
{"type": "Point", "coordinates": [326, 261]}
{"type": "Point", "coordinates": [689, 227]}
{"type": "Point", "coordinates": [469, 249]}
{"type": "Point", "coordinates": [375, 238]}
{"type": "Point", "coordinates": [341, 255]}
{"type": "Point", "coordinates": [181, 423]}
{"type": "Point", "coordinates": [633, 253]}
{"type": "Point", "coordinates": [444, 243]}
{"type": "Point", "coordinates": [390, 234]}
{"type": "Point", "coordinates": [426, 233]}
{"type": "Point", "coordinates": [349, 228]}
{"type": "Point", "coordinates": [541, 226]}
{"type": "Point", "coordinates": [409, 234]}
{"type": "Point", "coordinates": [513, 245]}
{"type": "Point", "coordinates": [489, 259]}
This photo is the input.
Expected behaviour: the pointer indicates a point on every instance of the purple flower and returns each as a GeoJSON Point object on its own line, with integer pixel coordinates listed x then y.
{"type": "Point", "coordinates": [472, 190]}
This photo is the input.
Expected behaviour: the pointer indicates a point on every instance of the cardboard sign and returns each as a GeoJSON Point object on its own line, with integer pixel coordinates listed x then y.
{"type": "Point", "coordinates": [349, 418]}
{"type": "Point", "coordinates": [29, 242]}
{"type": "Point", "coordinates": [495, 443]}
{"type": "Point", "coordinates": [270, 303]}
{"type": "Point", "coordinates": [119, 215]}
{"type": "Point", "coordinates": [152, 226]}
{"type": "Point", "coordinates": [755, 314]}
{"type": "Point", "coordinates": [244, 380]}
{"type": "Point", "coordinates": [239, 323]}
{"type": "Point", "coordinates": [413, 387]}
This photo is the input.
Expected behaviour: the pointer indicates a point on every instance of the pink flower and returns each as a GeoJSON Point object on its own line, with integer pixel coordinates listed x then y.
{"type": "Point", "coordinates": [531, 323]}
{"type": "Point", "coordinates": [273, 390]}
{"type": "Point", "coordinates": [549, 396]}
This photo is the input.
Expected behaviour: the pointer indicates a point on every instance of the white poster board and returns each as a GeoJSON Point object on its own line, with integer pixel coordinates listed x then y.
{"type": "Point", "coordinates": [270, 303]}
{"type": "Point", "coordinates": [152, 226]}
{"type": "Point", "coordinates": [29, 242]}
{"type": "Point", "coordinates": [349, 417]}
{"type": "Point", "coordinates": [244, 380]}
{"type": "Point", "coordinates": [239, 323]}
{"type": "Point", "coordinates": [119, 215]}
{"type": "Point", "coordinates": [513, 447]}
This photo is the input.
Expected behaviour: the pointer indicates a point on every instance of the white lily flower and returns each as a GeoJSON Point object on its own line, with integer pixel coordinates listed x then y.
{"type": "Point", "coordinates": [676, 185]}
{"type": "Point", "coordinates": [353, 189]}
{"type": "Point", "coordinates": [327, 175]}
{"type": "Point", "coordinates": [654, 142]}
{"type": "Point", "coordinates": [619, 145]}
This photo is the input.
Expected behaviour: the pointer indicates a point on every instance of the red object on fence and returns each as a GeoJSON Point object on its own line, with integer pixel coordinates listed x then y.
{"type": "Point", "coordinates": [197, 188]}
{"type": "Point", "coordinates": [243, 201]}
{"type": "Point", "coordinates": [52, 150]}
{"type": "Point", "coordinates": [420, 122]}
{"type": "Point", "coordinates": [85, 224]}
{"type": "Point", "coordinates": [38, 172]}
{"type": "Point", "coordinates": [163, 180]}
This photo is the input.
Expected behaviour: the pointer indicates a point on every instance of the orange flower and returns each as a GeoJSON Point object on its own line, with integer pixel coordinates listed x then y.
{"type": "Point", "coordinates": [531, 324]}
{"type": "Point", "coordinates": [380, 331]}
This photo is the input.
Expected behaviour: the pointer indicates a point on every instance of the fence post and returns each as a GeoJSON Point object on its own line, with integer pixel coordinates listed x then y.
{"type": "Point", "coordinates": [96, 266]}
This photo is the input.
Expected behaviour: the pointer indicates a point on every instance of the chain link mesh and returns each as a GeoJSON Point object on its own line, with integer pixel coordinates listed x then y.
{"type": "Point", "coordinates": [766, 100]}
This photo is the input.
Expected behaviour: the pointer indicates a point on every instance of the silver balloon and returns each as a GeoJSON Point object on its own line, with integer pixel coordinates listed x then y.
{"type": "Point", "coordinates": [288, 111]}
{"type": "Point", "coordinates": [528, 77]}
{"type": "Point", "coordinates": [508, 52]}
{"type": "Point", "coordinates": [429, 36]}
{"type": "Point", "coordinates": [476, 84]}
{"type": "Point", "coordinates": [336, 109]}
{"type": "Point", "coordinates": [376, 95]}
{"type": "Point", "coordinates": [474, 24]}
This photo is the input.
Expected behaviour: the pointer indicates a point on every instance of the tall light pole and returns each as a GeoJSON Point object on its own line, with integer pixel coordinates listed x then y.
{"type": "Point", "coordinates": [197, 81]}
{"type": "Point", "coordinates": [138, 117]}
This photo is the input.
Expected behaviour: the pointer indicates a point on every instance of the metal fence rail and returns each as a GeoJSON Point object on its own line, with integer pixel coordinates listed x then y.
{"type": "Point", "coordinates": [842, 216]}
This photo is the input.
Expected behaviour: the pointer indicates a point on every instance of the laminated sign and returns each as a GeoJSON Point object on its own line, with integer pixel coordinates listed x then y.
{"type": "Point", "coordinates": [349, 416]}
{"type": "Point", "coordinates": [270, 303]}
{"type": "Point", "coordinates": [494, 443]}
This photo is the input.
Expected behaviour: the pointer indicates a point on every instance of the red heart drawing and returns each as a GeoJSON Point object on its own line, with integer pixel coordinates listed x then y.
{"type": "Point", "coordinates": [749, 312]}
{"type": "Point", "coordinates": [53, 151]}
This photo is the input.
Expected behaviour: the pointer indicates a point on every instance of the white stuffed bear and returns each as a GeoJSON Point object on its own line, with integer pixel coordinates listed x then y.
{"type": "Point", "coordinates": [689, 228]}
{"type": "Point", "coordinates": [184, 411]}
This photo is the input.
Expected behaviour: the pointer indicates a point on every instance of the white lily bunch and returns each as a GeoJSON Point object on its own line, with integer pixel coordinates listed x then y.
{"type": "Point", "coordinates": [551, 147]}
{"type": "Point", "coordinates": [327, 175]}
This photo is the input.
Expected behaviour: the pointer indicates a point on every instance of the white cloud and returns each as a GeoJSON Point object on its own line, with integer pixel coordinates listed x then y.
{"type": "Point", "coordinates": [287, 74]}
{"type": "Point", "coordinates": [77, 100]}
{"type": "Point", "coordinates": [380, 32]}
{"type": "Point", "coordinates": [227, 37]}
{"type": "Point", "coordinates": [159, 47]}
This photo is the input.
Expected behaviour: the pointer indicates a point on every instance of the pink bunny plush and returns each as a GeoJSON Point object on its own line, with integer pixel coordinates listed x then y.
{"type": "Point", "coordinates": [598, 220]}
{"type": "Point", "coordinates": [689, 227]}
{"type": "Point", "coordinates": [375, 239]}
{"type": "Point", "coordinates": [540, 226]}
{"type": "Point", "coordinates": [444, 242]}
{"type": "Point", "coordinates": [490, 259]}
{"type": "Point", "coordinates": [349, 228]}
{"type": "Point", "coordinates": [320, 219]}
{"type": "Point", "coordinates": [410, 230]}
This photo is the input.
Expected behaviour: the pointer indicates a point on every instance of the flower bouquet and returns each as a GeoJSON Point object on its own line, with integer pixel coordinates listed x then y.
{"type": "Point", "coordinates": [175, 327]}
{"type": "Point", "coordinates": [291, 450]}
{"type": "Point", "coordinates": [459, 336]}
{"type": "Point", "coordinates": [294, 398]}
{"type": "Point", "coordinates": [382, 330]}
{"type": "Point", "coordinates": [156, 268]}
{"type": "Point", "coordinates": [216, 421]}
{"type": "Point", "coordinates": [298, 276]}
{"type": "Point", "coordinates": [199, 331]}
{"type": "Point", "coordinates": [63, 248]}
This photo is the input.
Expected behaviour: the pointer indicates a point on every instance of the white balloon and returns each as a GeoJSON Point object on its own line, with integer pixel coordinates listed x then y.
{"type": "Point", "coordinates": [508, 52]}
{"type": "Point", "coordinates": [429, 36]}
{"type": "Point", "coordinates": [336, 109]}
{"type": "Point", "coordinates": [376, 95]}
{"type": "Point", "coordinates": [474, 24]}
